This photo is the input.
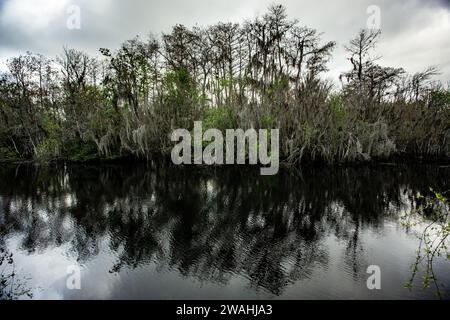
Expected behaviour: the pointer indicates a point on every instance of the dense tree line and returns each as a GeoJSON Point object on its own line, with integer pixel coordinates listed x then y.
{"type": "Point", "coordinates": [265, 73]}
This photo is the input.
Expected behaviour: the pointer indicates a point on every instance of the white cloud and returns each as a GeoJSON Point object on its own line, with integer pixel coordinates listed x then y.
{"type": "Point", "coordinates": [32, 15]}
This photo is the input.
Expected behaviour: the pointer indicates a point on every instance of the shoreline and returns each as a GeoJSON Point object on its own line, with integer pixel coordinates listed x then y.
{"type": "Point", "coordinates": [395, 160]}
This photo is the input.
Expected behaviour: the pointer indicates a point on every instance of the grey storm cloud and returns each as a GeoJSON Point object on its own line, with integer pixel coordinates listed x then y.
{"type": "Point", "coordinates": [415, 34]}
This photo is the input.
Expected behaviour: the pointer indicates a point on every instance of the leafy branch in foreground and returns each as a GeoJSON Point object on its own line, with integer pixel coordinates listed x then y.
{"type": "Point", "coordinates": [10, 287]}
{"type": "Point", "coordinates": [434, 211]}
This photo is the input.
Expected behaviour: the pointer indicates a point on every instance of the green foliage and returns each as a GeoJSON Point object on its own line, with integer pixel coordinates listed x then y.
{"type": "Point", "coordinates": [278, 89]}
{"type": "Point", "coordinates": [268, 122]}
{"type": "Point", "coordinates": [225, 83]}
{"type": "Point", "coordinates": [432, 210]}
{"type": "Point", "coordinates": [51, 147]}
{"type": "Point", "coordinates": [339, 111]}
{"type": "Point", "coordinates": [7, 154]}
{"type": "Point", "coordinates": [81, 151]}
{"type": "Point", "coordinates": [180, 87]}
{"type": "Point", "coordinates": [182, 101]}
{"type": "Point", "coordinates": [130, 102]}
{"type": "Point", "coordinates": [440, 98]}
{"type": "Point", "coordinates": [220, 118]}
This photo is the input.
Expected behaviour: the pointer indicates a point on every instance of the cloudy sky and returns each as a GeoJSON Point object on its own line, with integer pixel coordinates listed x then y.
{"type": "Point", "coordinates": [415, 33]}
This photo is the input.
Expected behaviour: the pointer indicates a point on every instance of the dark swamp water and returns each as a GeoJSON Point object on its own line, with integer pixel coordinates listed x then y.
{"type": "Point", "coordinates": [159, 232]}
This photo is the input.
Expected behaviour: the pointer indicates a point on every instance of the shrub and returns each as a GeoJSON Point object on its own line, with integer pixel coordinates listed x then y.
{"type": "Point", "coordinates": [7, 154]}
{"type": "Point", "coordinates": [440, 99]}
{"type": "Point", "coordinates": [220, 118]}
{"type": "Point", "coordinates": [49, 149]}
{"type": "Point", "coordinates": [80, 151]}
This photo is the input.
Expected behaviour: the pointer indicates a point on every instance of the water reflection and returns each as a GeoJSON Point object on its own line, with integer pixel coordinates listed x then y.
{"type": "Point", "coordinates": [281, 235]}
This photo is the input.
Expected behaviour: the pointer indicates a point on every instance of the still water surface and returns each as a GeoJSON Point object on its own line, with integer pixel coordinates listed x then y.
{"type": "Point", "coordinates": [157, 232]}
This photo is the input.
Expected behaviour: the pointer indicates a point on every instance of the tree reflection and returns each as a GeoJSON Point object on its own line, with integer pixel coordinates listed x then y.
{"type": "Point", "coordinates": [207, 224]}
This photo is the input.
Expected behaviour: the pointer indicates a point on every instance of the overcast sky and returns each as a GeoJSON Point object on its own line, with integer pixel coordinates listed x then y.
{"type": "Point", "coordinates": [415, 33]}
